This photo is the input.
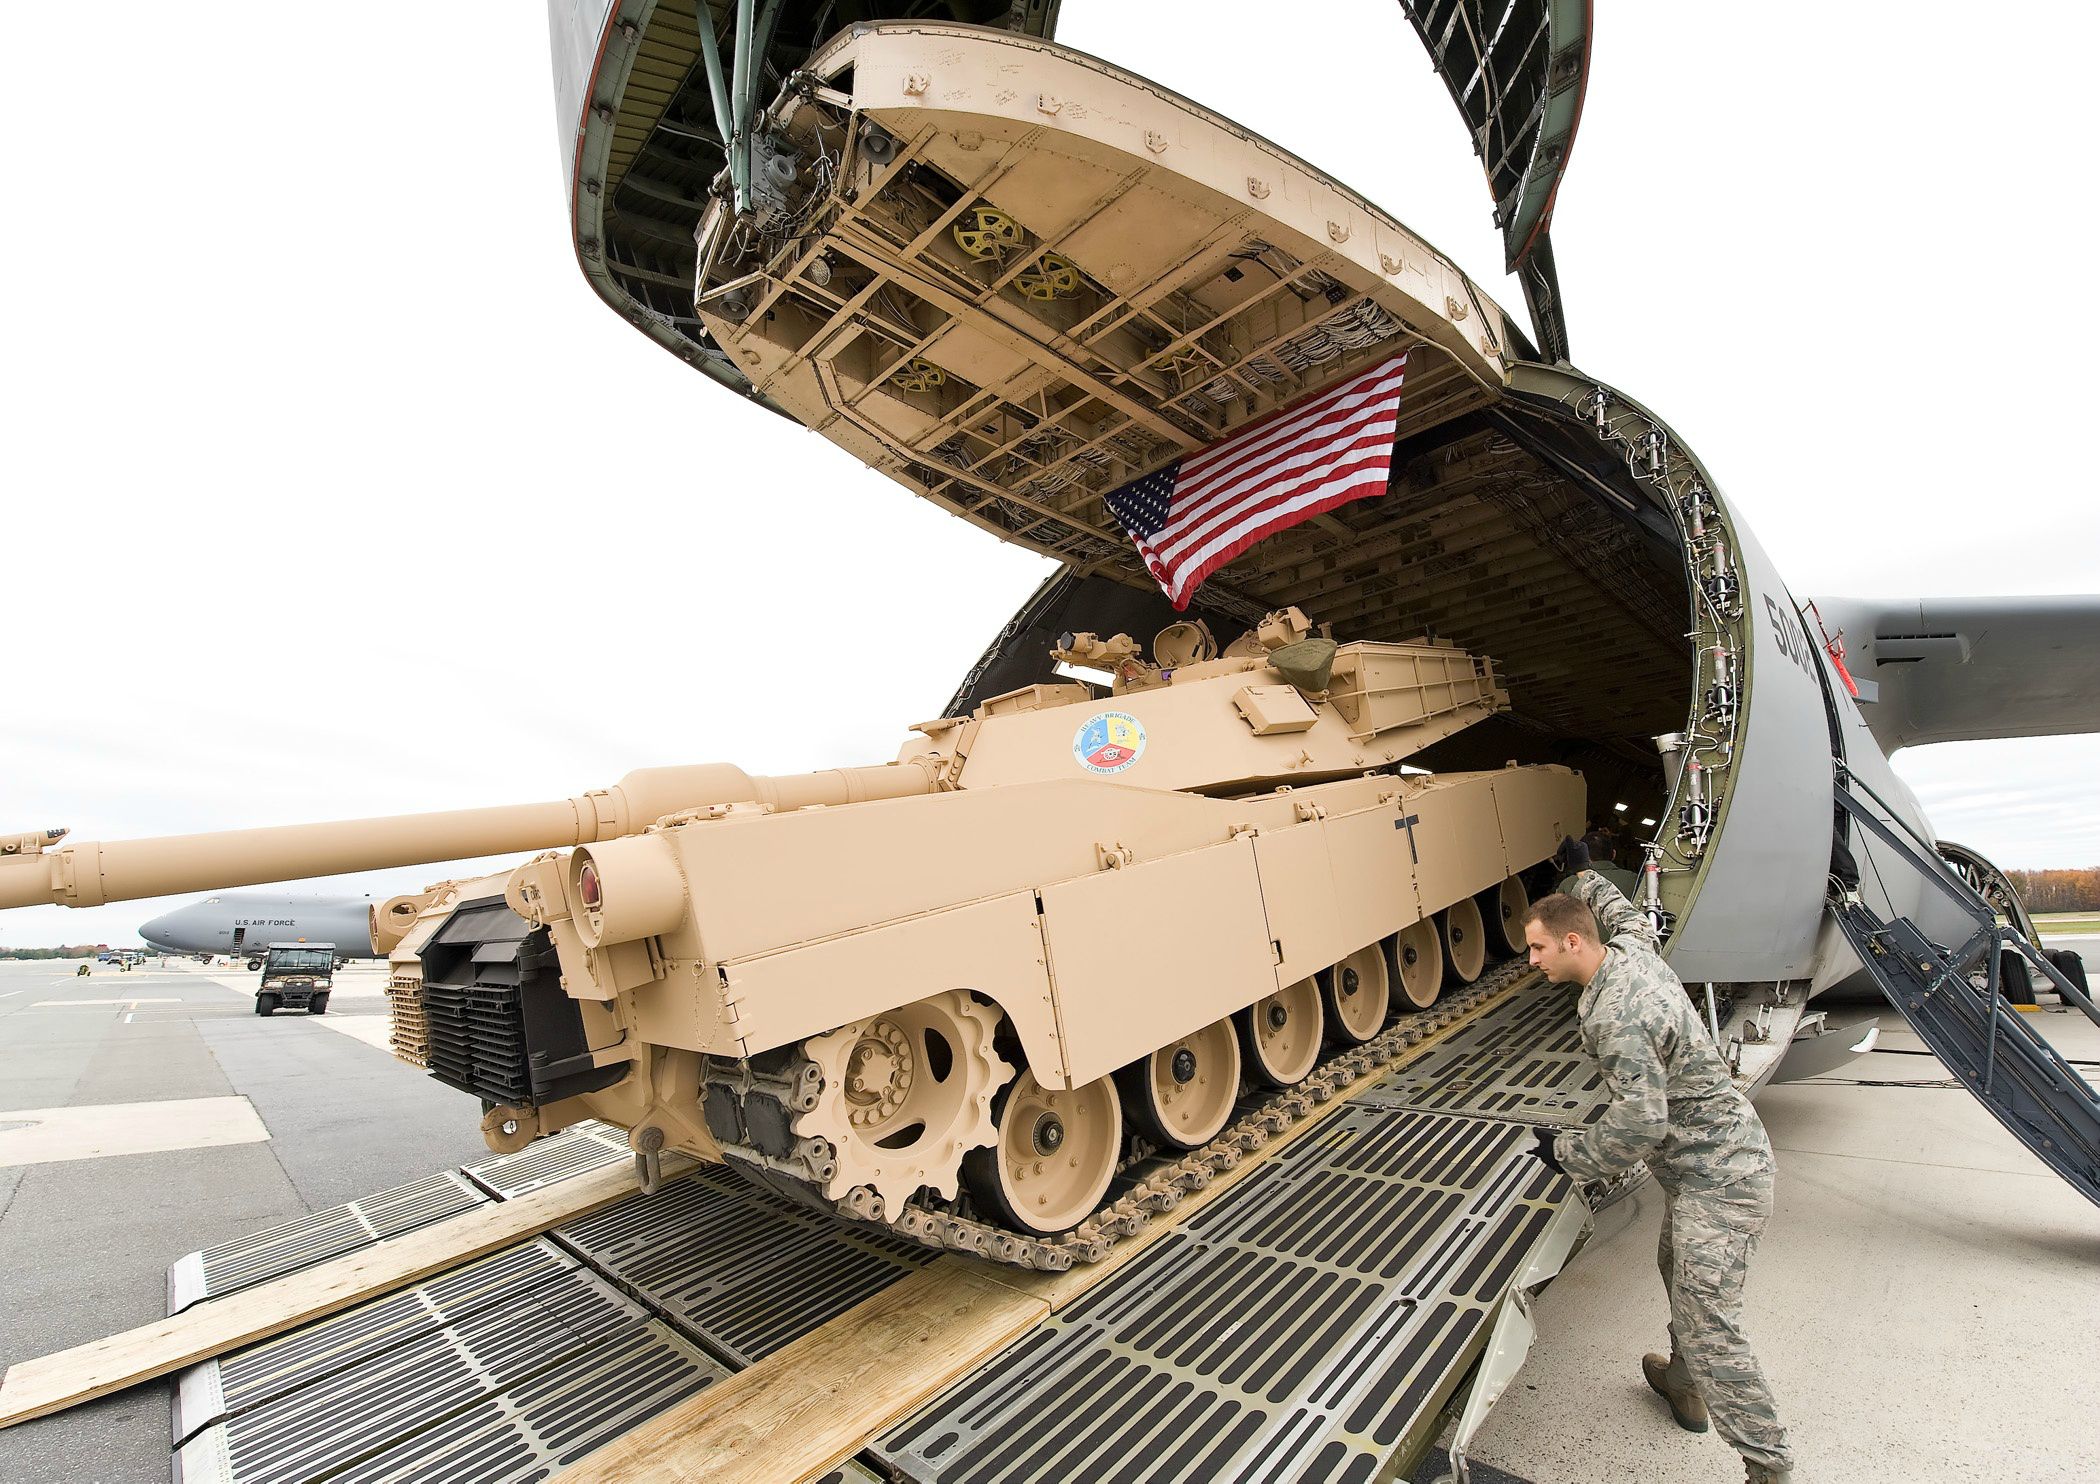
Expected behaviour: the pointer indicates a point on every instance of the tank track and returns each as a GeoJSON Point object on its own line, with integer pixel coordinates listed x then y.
{"type": "Point", "coordinates": [1152, 1186]}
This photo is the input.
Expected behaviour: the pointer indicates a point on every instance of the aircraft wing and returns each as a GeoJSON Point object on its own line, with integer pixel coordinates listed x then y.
{"type": "Point", "coordinates": [1970, 669]}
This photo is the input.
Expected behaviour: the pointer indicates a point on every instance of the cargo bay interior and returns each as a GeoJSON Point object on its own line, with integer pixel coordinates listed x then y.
{"type": "Point", "coordinates": [898, 286]}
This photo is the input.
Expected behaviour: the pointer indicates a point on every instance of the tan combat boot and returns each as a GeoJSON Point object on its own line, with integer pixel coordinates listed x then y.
{"type": "Point", "coordinates": [1757, 1473]}
{"type": "Point", "coordinates": [1672, 1381]}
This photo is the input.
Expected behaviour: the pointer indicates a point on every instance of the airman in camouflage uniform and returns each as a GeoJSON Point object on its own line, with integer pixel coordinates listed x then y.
{"type": "Point", "coordinates": [1674, 1108]}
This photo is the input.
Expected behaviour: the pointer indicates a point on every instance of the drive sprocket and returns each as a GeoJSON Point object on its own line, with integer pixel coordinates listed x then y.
{"type": "Point", "coordinates": [906, 1094]}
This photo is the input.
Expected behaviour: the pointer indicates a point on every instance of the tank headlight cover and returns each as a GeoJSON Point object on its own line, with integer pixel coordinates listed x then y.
{"type": "Point", "coordinates": [625, 889]}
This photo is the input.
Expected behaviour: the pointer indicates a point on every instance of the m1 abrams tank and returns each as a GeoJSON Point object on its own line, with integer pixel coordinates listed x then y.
{"type": "Point", "coordinates": [967, 988]}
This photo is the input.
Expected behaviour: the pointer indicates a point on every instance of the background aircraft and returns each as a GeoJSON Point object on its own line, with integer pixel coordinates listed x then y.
{"type": "Point", "coordinates": [244, 922]}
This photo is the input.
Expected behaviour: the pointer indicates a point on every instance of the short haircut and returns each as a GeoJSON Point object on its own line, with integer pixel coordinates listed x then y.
{"type": "Point", "coordinates": [1560, 914]}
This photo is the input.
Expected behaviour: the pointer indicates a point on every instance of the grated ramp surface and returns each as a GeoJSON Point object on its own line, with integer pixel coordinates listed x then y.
{"type": "Point", "coordinates": [514, 1365]}
{"type": "Point", "coordinates": [1522, 1060]}
{"type": "Point", "coordinates": [320, 1235]}
{"type": "Point", "coordinates": [502, 1370]}
{"type": "Point", "coordinates": [574, 1151]}
{"type": "Point", "coordinates": [262, 1373]}
{"type": "Point", "coordinates": [317, 1237]}
{"type": "Point", "coordinates": [744, 1271]}
{"type": "Point", "coordinates": [1371, 1256]}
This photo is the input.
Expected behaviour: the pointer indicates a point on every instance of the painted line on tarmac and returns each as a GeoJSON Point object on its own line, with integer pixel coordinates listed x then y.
{"type": "Point", "coordinates": [147, 1000]}
{"type": "Point", "coordinates": [38, 1136]}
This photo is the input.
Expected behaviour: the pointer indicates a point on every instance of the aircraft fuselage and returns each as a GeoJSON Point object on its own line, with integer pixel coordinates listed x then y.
{"type": "Point", "coordinates": [246, 922]}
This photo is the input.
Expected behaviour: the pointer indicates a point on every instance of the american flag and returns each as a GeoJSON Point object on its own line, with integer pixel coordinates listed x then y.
{"type": "Point", "coordinates": [1199, 512]}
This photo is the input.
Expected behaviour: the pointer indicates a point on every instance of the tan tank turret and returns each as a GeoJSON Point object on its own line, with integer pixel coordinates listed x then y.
{"type": "Point", "coordinates": [1072, 927]}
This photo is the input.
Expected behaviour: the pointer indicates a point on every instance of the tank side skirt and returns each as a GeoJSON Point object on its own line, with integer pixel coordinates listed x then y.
{"type": "Point", "coordinates": [1395, 853]}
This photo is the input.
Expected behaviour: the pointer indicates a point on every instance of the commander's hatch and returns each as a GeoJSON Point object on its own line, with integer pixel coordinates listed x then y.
{"type": "Point", "coordinates": [1517, 69]}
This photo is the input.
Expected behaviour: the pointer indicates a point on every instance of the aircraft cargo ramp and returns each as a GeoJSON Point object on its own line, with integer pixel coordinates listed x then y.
{"type": "Point", "coordinates": [1311, 1315]}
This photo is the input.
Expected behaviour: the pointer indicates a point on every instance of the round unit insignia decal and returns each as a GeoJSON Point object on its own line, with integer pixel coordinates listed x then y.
{"type": "Point", "coordinates": [1109, 742]}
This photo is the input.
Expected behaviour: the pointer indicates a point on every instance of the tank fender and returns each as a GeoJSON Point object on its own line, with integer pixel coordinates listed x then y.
{"type": "Point", "coordinates": [993, 946]}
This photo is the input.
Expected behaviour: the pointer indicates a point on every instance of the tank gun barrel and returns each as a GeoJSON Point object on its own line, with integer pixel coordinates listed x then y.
{"type": "Point", "coordinates": [90, 873]}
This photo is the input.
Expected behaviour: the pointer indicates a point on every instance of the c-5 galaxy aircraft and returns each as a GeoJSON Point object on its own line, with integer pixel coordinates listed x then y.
{"type": "Point", "coordinates": [245, 923]}
{"type": "Point", "coordinates": [1015, 279]}
{"type": "Point", "coordinates": [1019, 281]}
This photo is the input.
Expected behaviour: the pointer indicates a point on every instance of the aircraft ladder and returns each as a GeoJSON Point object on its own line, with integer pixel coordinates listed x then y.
{"type": "Point", "coordinates": [1989, 1046]}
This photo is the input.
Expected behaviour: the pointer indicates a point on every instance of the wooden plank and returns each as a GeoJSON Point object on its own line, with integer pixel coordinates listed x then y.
{"type": "Point", "coordinates": [51, 1383]}
{"type": "Point", "coordinates": [814, 1402]}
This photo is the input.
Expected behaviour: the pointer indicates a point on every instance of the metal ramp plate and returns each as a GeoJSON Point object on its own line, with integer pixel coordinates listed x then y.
{"type": "Point", "coordinates": [1522, 1060]}
{"type": "Point", "coordinates": [502, 1370]}
{"type": "Point", "coordinates": [316, 1237]}
{"type": "Point", "coordinates": [242, 1382]}
{"type": "Point", "coordinates": [574, 1151]}
{"type": "Point", "coordinates": [744, 1271]}
{"type": "Point", "coordinates": [321, 1235]}
{"type": "Point", "coordinates": [1360, 1269]}
{"type": "Point", "coordinates": [1375, 1253]}
{"type": "Point", "coordinates": [523, 1361]}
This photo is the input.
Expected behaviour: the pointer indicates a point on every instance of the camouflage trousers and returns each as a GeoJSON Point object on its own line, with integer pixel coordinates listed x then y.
{"type": "Point", "coordinates": [1708, 1237]}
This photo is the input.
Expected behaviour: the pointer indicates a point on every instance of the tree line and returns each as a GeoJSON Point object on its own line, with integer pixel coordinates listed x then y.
{"type": "Point", "coordinates": [2069, 890]}
{"type": "Point", "coordinates": [70, 950]}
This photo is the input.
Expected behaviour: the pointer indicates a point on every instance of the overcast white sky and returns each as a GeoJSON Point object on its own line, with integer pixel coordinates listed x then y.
{"type": "Point", "coordinates": [306, 401]}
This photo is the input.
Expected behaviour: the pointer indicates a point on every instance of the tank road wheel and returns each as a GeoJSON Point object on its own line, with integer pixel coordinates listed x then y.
{"type": "Point", "coordinates": [905, 1095]}
{"type": "Point", "coordinates": [1418, 953]}
{"type": "Point", "coordinates": [1180, 1095]}
{"type": "Point", "coordinates": [1357, 995]}
{"type": "Point", "coordinates": [1465, 940]}
{"type": "Point", "coordinates": [1280, 1034]}
{"type": "Point", "coordinates": [1055, 1154]}
{"type": "Point", "coordinates": [1502, 910]}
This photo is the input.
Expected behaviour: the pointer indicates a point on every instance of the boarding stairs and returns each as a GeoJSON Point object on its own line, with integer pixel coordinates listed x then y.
{"type": "Point", "coordinates": [1990, 1047]}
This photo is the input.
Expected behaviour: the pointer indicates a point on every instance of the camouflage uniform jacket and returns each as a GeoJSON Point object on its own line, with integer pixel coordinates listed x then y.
{"type": "Point", "coordinates": [1673, 1103]}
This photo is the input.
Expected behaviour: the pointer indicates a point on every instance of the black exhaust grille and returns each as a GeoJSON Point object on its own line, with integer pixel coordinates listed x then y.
{"type": "Point", "coordinates": [500, 1025]}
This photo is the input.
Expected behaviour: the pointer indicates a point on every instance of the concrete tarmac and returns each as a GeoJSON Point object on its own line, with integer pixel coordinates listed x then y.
{"type": "Point", "coordinates": [1924, 1301]}
{"type": "Point", "coordinates": [86, 1238]}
